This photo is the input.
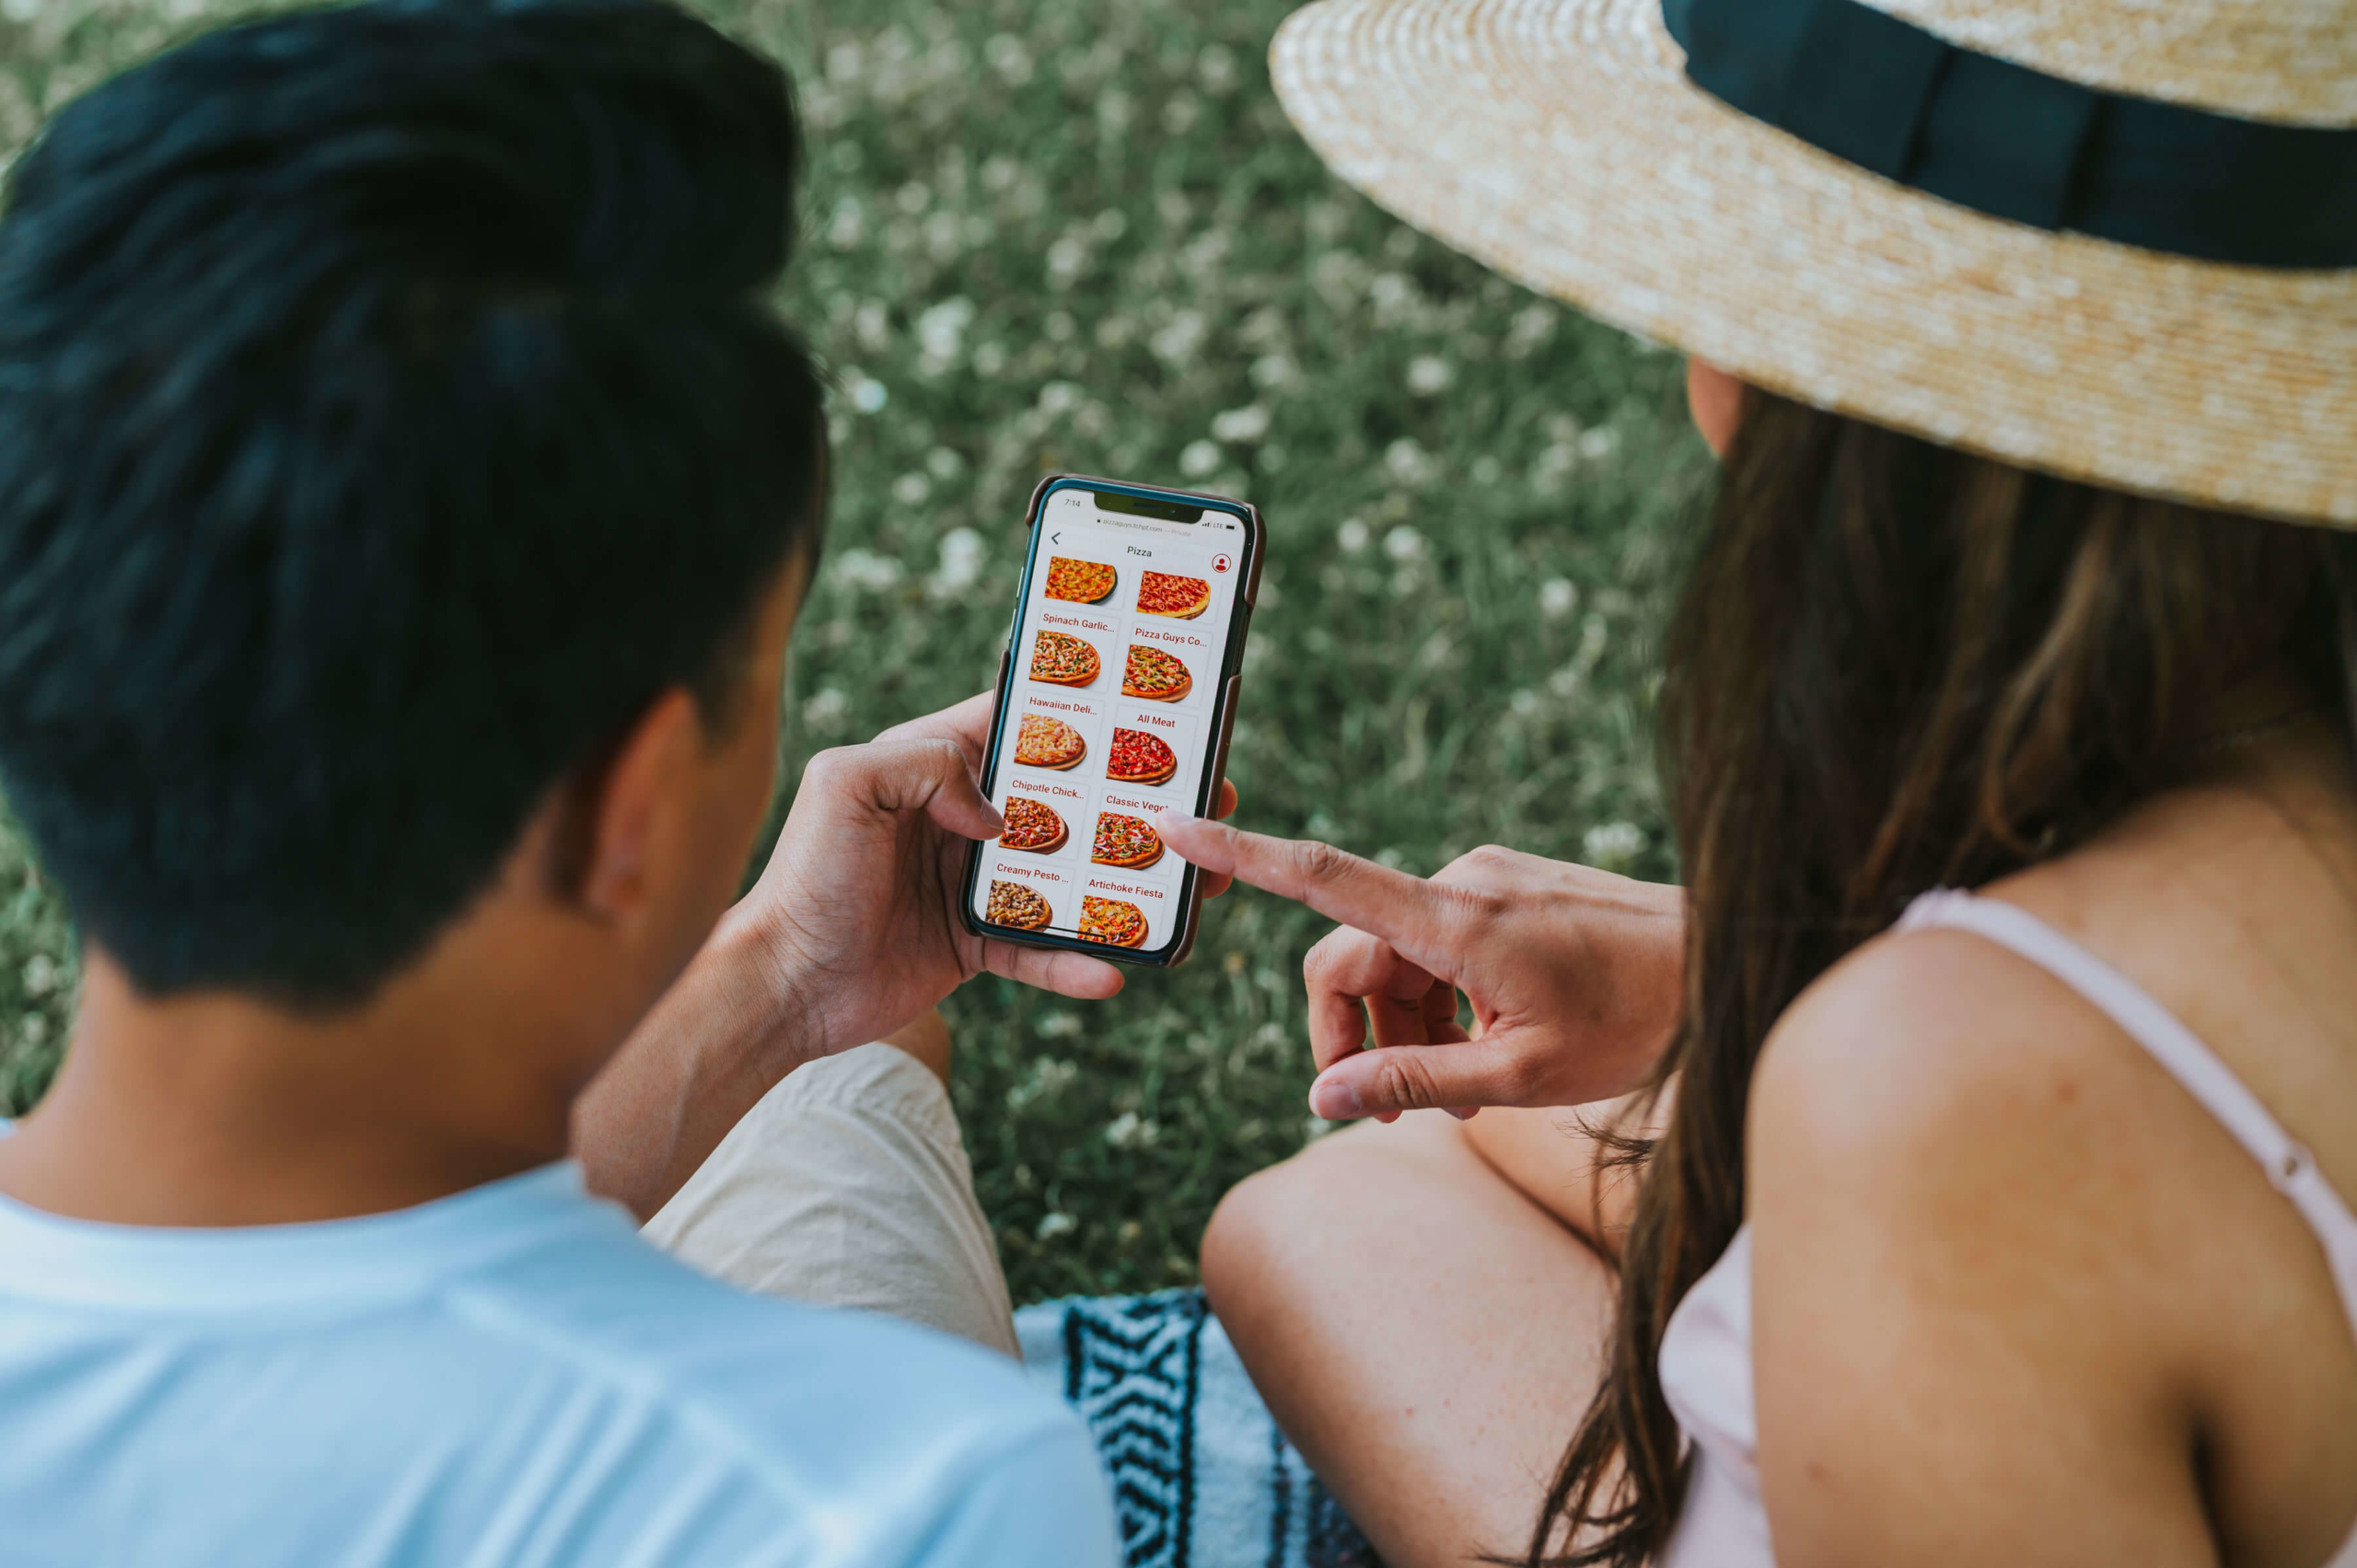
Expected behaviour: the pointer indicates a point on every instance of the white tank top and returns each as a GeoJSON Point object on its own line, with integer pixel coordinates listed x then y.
{"type": "Point", "coordinates": [1706, 1351]}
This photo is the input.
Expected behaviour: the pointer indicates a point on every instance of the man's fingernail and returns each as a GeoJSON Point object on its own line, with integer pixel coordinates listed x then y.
{"type": "Point", "coordinates": [1336, 1101]}
{"type": "Point", "coordinates": [1463, 1113]}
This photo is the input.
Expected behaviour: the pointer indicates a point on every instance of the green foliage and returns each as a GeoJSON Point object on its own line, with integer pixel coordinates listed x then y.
{"type": "Point", "coordinates": [1079, 234]}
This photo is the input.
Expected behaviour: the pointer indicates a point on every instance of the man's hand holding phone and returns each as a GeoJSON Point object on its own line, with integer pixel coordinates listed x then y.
{"type": "Point", "coordinates": [1574, 974]}
{"type": "Point", "coordinates": [856, 912]}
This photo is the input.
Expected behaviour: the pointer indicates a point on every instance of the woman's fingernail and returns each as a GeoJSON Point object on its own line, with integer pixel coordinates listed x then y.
{"type": "Point", "coordinates": [1336, 1101]}
{"type": "Point", "coordinates": [1172, 818]}
{"type": "Point", "coordinates": [1463, 1113]}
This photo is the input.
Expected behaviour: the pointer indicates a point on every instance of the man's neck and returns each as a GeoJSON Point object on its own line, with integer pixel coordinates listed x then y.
{"type": "Point", "coordinates": [221, 1111]}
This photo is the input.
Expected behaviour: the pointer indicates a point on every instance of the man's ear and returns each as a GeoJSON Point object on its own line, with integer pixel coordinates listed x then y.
{"type": "Point", "coordinates": [628, 816]}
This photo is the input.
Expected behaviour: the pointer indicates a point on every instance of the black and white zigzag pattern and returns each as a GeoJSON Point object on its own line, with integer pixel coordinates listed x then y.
{"type": "Point", "coordinates": [1202, 1477]}
{"type": "Point", "coordinates": [1131, 1368]}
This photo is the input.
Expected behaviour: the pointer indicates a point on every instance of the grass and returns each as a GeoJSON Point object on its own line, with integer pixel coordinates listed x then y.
{"type": "Point", "coordinates": [1079, 234]}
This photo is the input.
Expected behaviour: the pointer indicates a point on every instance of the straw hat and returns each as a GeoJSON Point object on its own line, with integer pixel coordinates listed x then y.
{"type": "Point", "coordinates": [2115, 239]}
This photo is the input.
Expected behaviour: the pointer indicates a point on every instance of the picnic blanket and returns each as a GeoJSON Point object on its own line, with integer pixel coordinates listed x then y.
{"type": "Point", "coordinates": [1202, 1477]}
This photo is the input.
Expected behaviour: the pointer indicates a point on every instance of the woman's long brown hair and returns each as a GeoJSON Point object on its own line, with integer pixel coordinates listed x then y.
{"type": "Point", "coordinates": [1898, 667]}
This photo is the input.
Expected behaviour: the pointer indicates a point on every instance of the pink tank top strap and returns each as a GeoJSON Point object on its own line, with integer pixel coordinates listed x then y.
{"type": "Point", "coordinates": [2193, 1065]}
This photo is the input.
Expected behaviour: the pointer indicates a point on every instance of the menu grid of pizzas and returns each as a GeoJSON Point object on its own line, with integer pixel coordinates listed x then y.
{"type": "Point", "coordinates": [1111, 719]}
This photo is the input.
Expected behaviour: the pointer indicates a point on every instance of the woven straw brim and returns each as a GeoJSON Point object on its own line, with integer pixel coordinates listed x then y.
{"type": "Point", "coordinates": [1559, 142]}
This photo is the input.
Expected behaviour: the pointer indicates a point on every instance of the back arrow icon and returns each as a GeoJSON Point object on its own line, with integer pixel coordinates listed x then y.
{"type": "Point", "coordinates": [1057, 537]}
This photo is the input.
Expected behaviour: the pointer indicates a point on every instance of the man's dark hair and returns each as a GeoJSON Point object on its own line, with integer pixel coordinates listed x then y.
{"type": "Point", "coordinates": [390, 412]}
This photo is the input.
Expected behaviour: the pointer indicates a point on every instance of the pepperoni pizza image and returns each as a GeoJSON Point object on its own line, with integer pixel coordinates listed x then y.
{"type": "Point", "coordinates": [1014, 904]}
{"type": "Point", "coordinates": [1111, 922]}
{"type": "Point", "coordinates": [1126, 841]}
{"type": "Point", "coordinates": [1154, 676]}
{"type": "Point", "coordinates": [1082, 582]}
{"type": "Point", "coordinates": [1061, 659]}
{"type": "Point", "coordinates": [1138, 758]}
{"type": "Point", "coordinates": [1032, 825]}
{"type": "Point", "coordinates": [1181, 599]}
{"type": "Point", "coordinates": [1043, 742]}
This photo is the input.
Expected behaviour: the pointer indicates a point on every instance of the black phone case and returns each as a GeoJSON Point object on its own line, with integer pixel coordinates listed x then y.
{"type": "Point", "coordinates": [1231, 689]}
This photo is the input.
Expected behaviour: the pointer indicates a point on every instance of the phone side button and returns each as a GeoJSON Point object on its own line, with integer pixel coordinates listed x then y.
{"type": "Point", "coordinates": [1005, 663]}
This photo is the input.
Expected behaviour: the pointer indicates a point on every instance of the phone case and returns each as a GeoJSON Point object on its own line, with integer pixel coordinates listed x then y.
{"type": "Point", "coordinates": [1239, 628]}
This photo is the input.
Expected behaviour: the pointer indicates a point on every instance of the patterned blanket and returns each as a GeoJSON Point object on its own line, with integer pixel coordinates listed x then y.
{"type": "Point", "coordinates": [1202, 1477]}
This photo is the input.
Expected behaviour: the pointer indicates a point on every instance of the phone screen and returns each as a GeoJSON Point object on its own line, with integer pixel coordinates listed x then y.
{"type": "Point", "coordinates": [1119, 689]}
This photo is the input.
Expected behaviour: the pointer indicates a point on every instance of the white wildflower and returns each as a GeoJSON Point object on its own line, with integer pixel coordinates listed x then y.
{"type": "Point", "coordinates": [844, 61]}
{"type": "Point", "coordinates": [1066, 258]}
{"type": "Point", "coordinates": [1055, 1225]}
{"type": "Point", "coordinates": [1612, 845]}
{"type": "Point", "coordinates": [941, 329]}
{"type": "Point", "coordinates": [990, 360]}
{"type": "Point", "coordinates": [1200, 458]}
{"type": "Point", "coordinates": [1524, 702]}
{"type": "Point", "coordinates": [865, 569]}
{"type": "Point", "coordinates": [1272, 371]}
{"type": "Point", "coordinates": [1177, 343]}
{"type": "Point", "coordinates": [912, 488]}
{"type": "Point", "coordinates": [1000, 172]}
{"type": "Point", "coordinates": [827, 711]}
{"type": "Point", "coordinates": [962, 553]}
{"type": "Point", "coordinates": [1429, 375]}
{"type": "Point", "coordinates": [867, 395]}
{"type": "Point", "coordinates": [913, 197]}
{"type": "Point", "coordinates": [1059, 397]}
{"type": "Point", "coordinates": [1351, 536]}
{"type": "Point", "coordinates": [1408, 463]}
{"type": "Point", "coordinates": [943, 463]}
{"type": "Point", "coordinates": [1058, 1025]}
{"type": "Point", "coordinates": [873, 322]}
{"type": "Point", "coordinates": [40, 975]}
{"type": "Point", "coordinates": [1246, 424]}
{"type": "Point", "coordinates": [1598, 443]}
{"type": "Point", "coordinates": [1403, 543]}
{"type": "Point", "coordinates": [1129, 1131]}
{"type": "Point", "coordinates": [847, 225]}
{"type": "Point", "coordinates": [1532, 325]}
{"type": "Point", "coordinates": [1558, 598]}
{"type": "Point", "coordinates": [1008, 58]}
{"type": "Point", "coordinates": [1110, 226]}
{"type": "Point", "coordinates": [1215, 69]}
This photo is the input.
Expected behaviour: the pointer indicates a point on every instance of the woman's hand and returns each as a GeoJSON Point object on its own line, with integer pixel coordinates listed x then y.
{"type": "Point", "coordinates": [1574, 974]}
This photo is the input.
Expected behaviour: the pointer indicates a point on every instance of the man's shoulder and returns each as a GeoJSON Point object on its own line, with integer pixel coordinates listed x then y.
{"type": "Point", "coordinates": [803, 1402]}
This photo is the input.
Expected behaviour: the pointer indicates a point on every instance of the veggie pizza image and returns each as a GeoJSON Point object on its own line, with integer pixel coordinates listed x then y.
{"type": "Point", "coordinates": [1111, 922]}
{"type": "Point", "coordinates": [1082, 581]}
{"type": "Point", "coordinates": [1181, 599]}
{"type": "Point", "coordinates": [1128, 842]}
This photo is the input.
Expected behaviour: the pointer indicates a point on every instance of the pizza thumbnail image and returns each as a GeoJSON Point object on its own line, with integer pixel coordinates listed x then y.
{"type": "Point", "coordinates": [1032, 825]}
{"type": "Point", "coordinates": [1111, 922]}
{"type": "Point", "coordinates": [1138, 758]}
{"type": "Point", "coordinates": [1043, 742]}
{"type": "Point", "coordinates": [1082, 582]}
{"type": "Point", "coordinates": [1126, 841]}
{"type": "Point", "coordinates": [1181, 599]}
{"type": "Point", "coordinates": [1014, 904]}
{"type": "Point", "coordinates": [1063, 659]}
{"type": "Point", "coordinates": [1154, 676]}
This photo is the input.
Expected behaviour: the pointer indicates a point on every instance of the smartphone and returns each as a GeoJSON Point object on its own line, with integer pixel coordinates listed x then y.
{"type": "Point", "coordinates": [1116, 698]}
